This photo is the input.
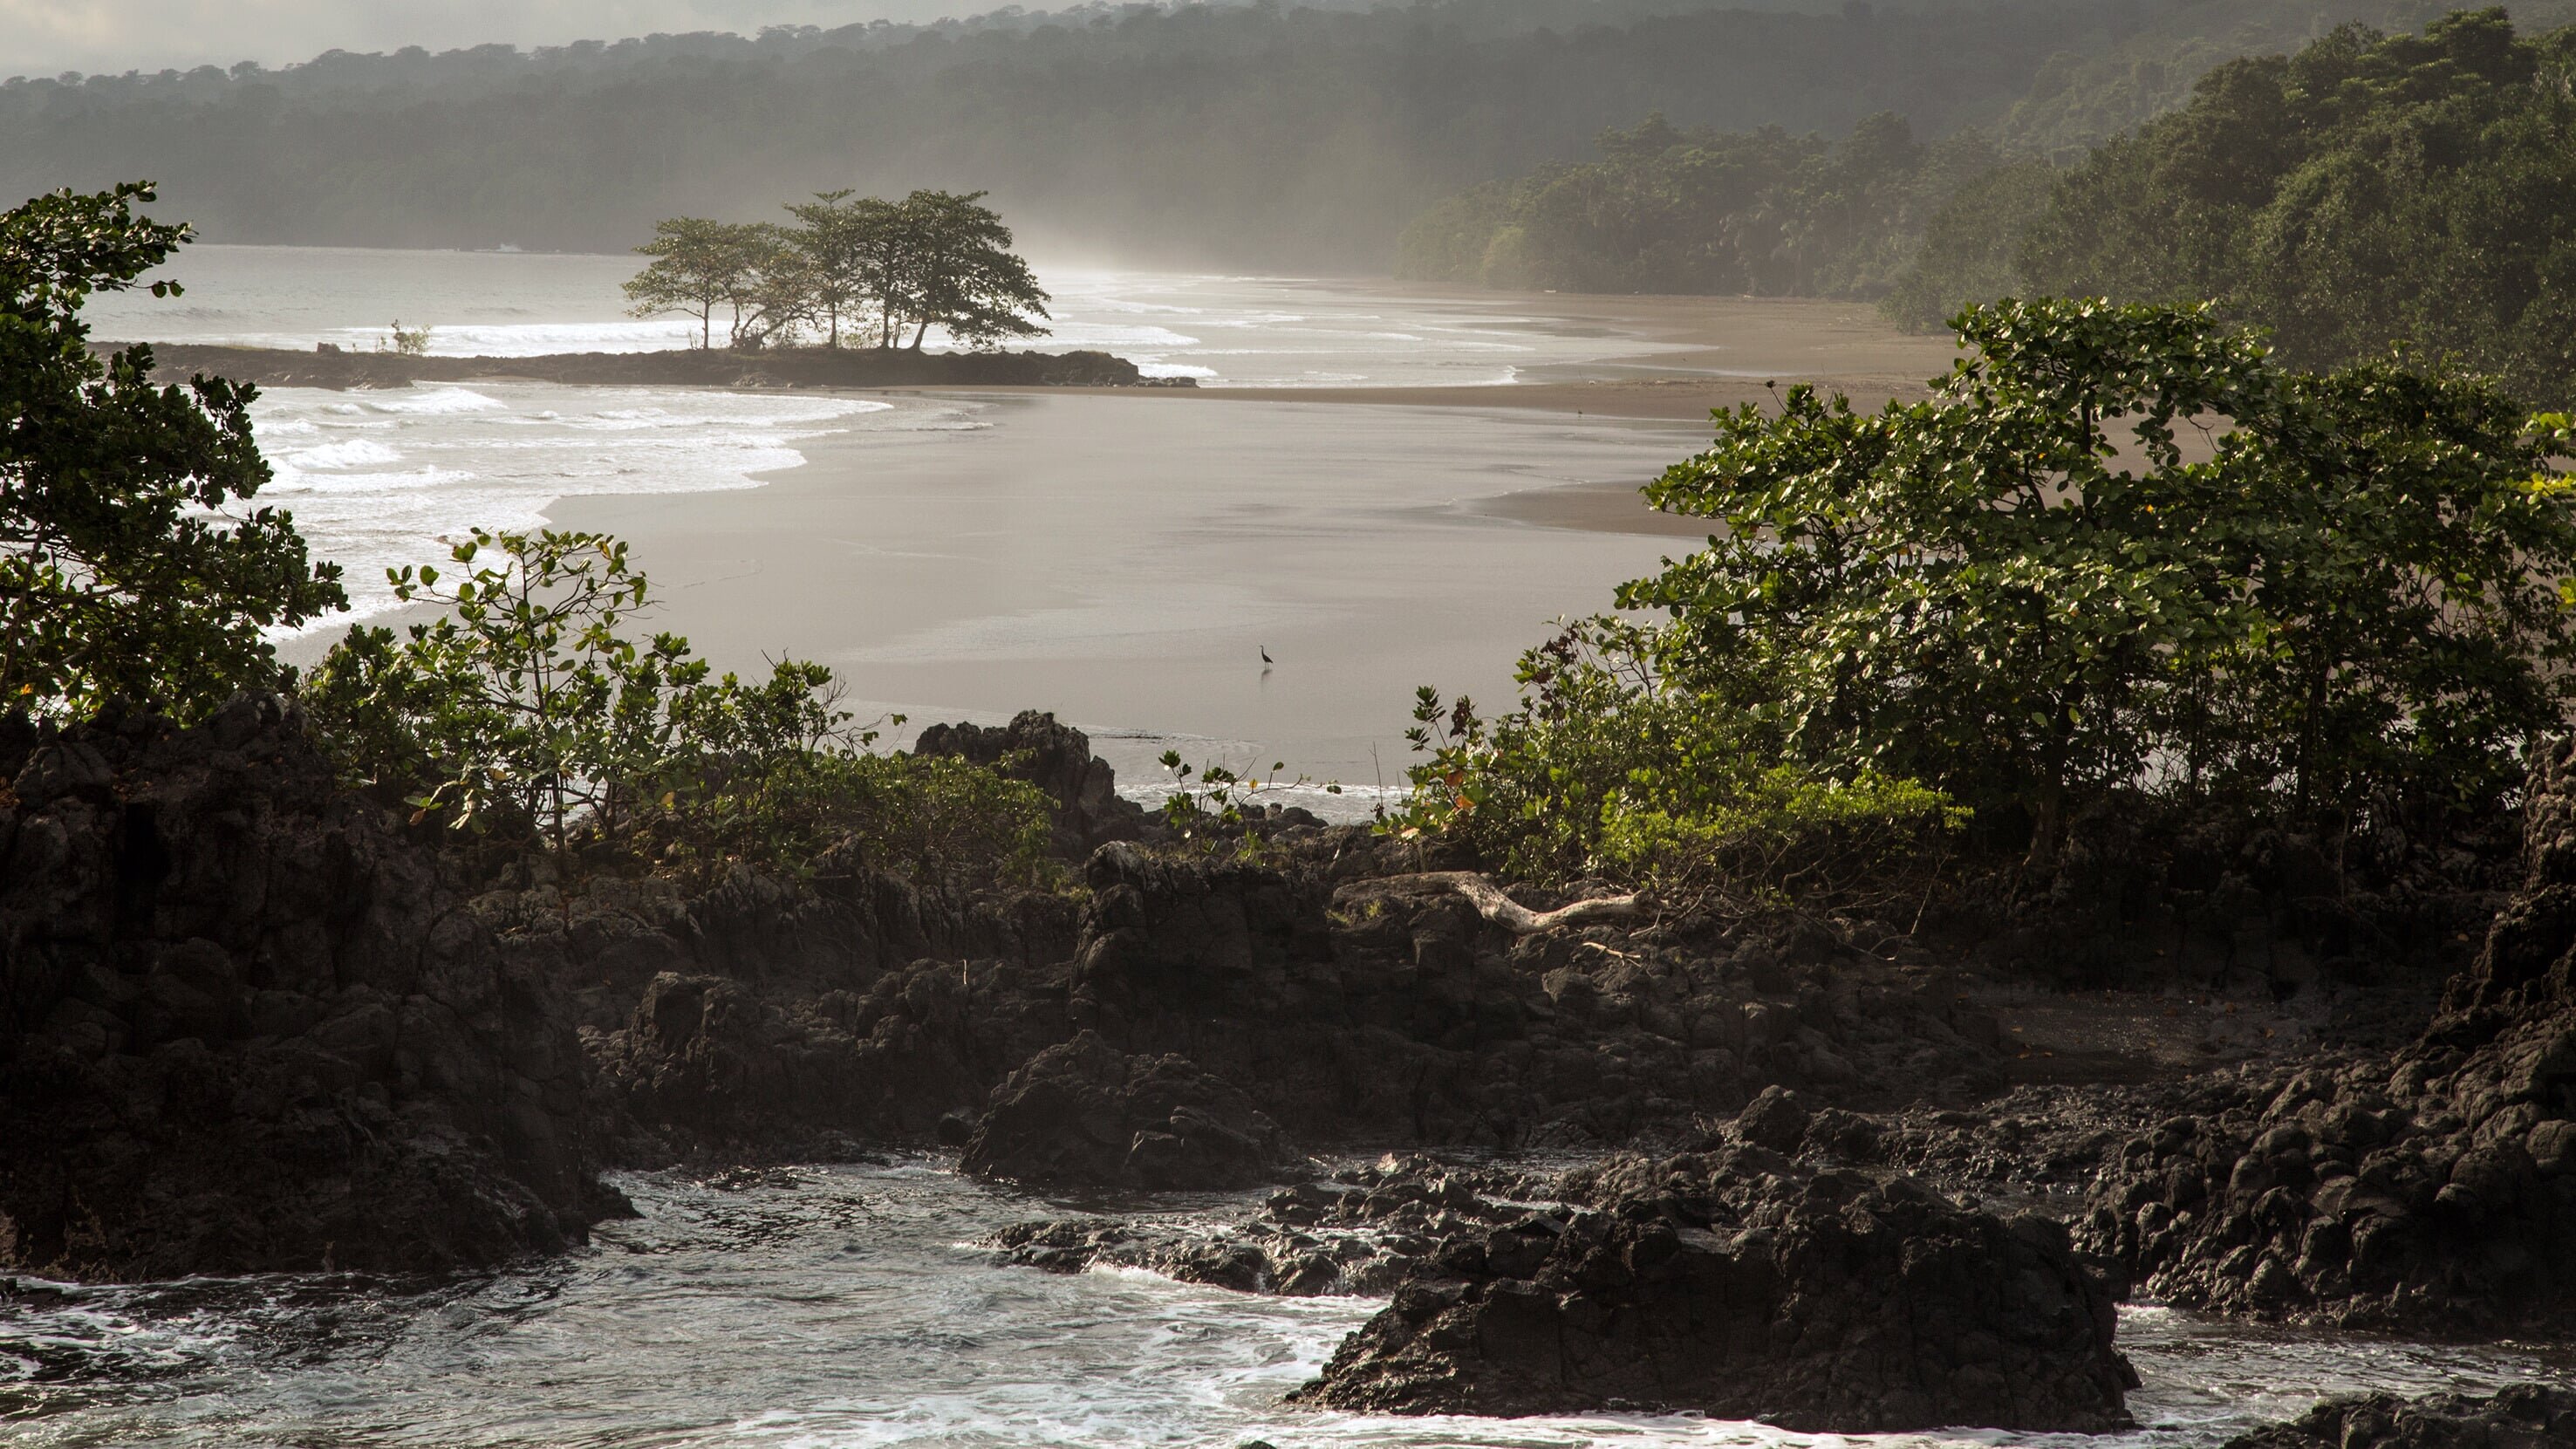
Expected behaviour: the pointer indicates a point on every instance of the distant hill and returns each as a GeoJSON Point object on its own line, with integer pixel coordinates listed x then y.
{"type": "Point", "coordinates": [1248, 135]}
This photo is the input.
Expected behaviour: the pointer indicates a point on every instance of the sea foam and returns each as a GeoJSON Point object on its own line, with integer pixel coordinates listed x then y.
{"type": "Point", "coordinates": [384, 479]}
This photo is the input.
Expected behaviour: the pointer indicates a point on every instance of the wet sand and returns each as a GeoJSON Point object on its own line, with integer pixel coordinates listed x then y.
{"type": "Point", "coordinates": [1123, 556]}
{"type": "Point", "coordinates": [1124, 562]}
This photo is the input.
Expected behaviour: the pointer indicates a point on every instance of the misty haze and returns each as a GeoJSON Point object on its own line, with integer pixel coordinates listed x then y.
{"type": "Point", "coordinates": [1274, 725]}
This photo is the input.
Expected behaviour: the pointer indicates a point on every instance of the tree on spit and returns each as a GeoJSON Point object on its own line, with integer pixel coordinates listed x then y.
{"type": "Point", "coordinates": [848, 264]}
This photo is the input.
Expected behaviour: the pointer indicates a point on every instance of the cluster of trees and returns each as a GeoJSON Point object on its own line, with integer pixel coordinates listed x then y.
{"type": "Point", "coordinates": [2417, 190]}
{"type": "Point", "coordinates": [1668, 210]}
{"type": "Point", "coordinates": [2351, 617]}
{"type": "Point", "coordinates": [1236, 135]}
{"type": "Point", "coordinates": [850, 265]}
{"type": "Point", "coordinates": [531, 715]}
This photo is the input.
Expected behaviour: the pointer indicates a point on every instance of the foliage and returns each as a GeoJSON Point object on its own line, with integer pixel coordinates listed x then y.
{"type": "Point", "coordinates": [932, 815]}
{"type": "Point", "coordinates": [1606, 766]}
{"type": "Point", "coordinates": [1971, 248]}
{"type": "Point", "coordinates": [965, 280]}
{"type": "Point", "coordinates": [525, 701]}
{"type": "Point", "coordinates": [2021, 593]}
{"type": "Point", "coordinates": [700, 266]}
{"type": "Point", "coordinates": [2418, 189]}
{"type": "Point", "coordinates": [406, 341]}
{"type": "Point", "coordinates": [528, 713]}
{"type": "Point", "coordinates": [1665, 210]}
{"type": "Point", "coordinates": [127, 566]}
{"type": "Point", "coordinates": [1215, 804]}
{"type": "Point", "coordinates": [933, 259]}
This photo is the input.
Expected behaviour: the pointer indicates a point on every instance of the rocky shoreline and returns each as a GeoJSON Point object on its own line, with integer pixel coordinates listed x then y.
{"type": "Point", "coordinates": [685, 367]}
{"type": "Point", "coordinates": [249, 1023]}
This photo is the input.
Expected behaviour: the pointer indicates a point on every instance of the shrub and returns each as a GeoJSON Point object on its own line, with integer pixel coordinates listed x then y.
{"type": "Point", "coordinates": [530, 716]}
{"type": "Point", "coordinates": [930, 815]}
{"type": "Point", "coordinates": [2020, 592]}
{"type": "Point", "coordinates": [1607, 767]}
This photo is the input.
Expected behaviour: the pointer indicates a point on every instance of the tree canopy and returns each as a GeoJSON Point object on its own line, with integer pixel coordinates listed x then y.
{"type": "Point", "coordinates": [2122, 556]}
{"type": "Point", "coordinates": [1289, 135]}
{"type": "Point", "coordinates": [850, 264]}
{"type": "Point", "coordinates": [128, 563]}
{"type": "Point", "coordinates": [2372, 189]}
{"type": "Point", "coordinates": [2022, 592]}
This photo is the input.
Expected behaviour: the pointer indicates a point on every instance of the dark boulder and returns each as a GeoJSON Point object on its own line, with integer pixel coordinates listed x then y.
{"type": "Point", "coordinates": [1836, 1306]}
{"type": "Point", "coordinates": [2525, 1416]}
{"type": "Point", "coordinates": [1057, 758]}
{"type": "Point", "coordinates": [1775, 1119]}
{"type": "Point", "coordinates": [1084, 1114]}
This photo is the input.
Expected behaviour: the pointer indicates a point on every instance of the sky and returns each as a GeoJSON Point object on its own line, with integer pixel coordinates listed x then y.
{"type": "Point", "coordinates": [46, 37]}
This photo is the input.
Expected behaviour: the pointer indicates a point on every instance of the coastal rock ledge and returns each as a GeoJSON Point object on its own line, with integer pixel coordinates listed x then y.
{"type": "Point", "coordinates": [2525, 1416]}
{"type": "Point", "coordinates": [1887, 1311]}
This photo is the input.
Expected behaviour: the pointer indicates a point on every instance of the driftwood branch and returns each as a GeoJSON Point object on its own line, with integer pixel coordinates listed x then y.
{"type": "Point", "coordinates": [1511, 915]}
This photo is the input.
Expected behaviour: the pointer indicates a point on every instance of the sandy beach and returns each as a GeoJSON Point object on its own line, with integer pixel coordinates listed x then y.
{"type": "Point", "coordinates": [1124, 562]}
{"type": "Point", "coordinates": [1123, 556]}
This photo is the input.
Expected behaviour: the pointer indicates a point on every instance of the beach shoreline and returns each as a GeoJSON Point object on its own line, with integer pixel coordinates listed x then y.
{"type": "Point", "coordinates": [1119, 559]}
{"type": "Point", "coordinates": [1125, 564]}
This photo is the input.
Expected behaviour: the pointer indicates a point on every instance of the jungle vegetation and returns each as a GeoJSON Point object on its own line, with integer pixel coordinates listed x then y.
{"type": "Point", "coordinates": [2415, 190]}
{"type": "Point", "coordinates": [2373, 189]}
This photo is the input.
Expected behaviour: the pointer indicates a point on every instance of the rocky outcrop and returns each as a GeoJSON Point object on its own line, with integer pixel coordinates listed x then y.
{"type": "Point", "coordinates": [806, 1026]}
{"type": "Point", "coordinates": [244, 1027]}
{"type": "Point", "coordinates": [1057, 758]}
{"type": "Point", "coordinates": [1084, 1115]}
{"type": "Point", "coordinates": [2432, 1190]}
{"type": "Point", "coordinates": [1885, 1311]}
{"type": "Point", "coordinates": [1353, 1003]}
{"type": "Point", "coordinates": [2526, 1416]}
{"type": "Point", "coordinates": [1736, 1282]}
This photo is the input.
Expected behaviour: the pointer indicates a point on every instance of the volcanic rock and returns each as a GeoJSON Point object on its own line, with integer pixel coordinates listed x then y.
{"type": "Point", "coordinates": [243, 1026]}
{"type": "Point", "coordinates": [1821, 1302]}
{"type": "Point", "coordinates": [1056, 758]}
{"type": "Point", "coordinates": [2434, 1190]}
{"type": "Point", "coordinates": [1084, 1114]}
{"type": "Point", "coordinates": [2525, 1416]}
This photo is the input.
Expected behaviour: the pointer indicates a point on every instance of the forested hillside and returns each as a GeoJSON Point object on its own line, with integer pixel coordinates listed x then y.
{"type": "Point", "coordinates": [1259, 135]}
{"type": "Point", "coordinates": [1666, 210]}
{"type": "Point", "coordinates": [2416, 190]}
{"type": "Point", "coordinates": [2370, 190]}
